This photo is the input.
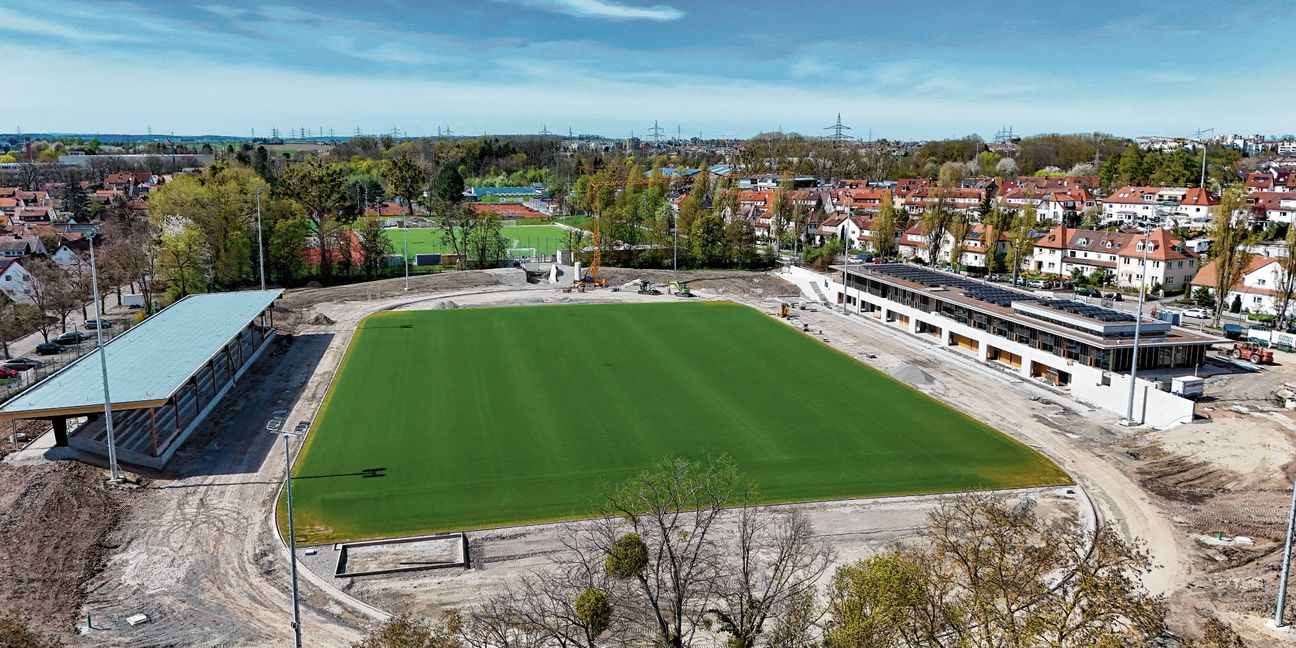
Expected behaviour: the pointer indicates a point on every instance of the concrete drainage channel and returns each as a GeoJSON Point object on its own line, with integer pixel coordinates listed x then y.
{"type": "Point", "coordinates": [414, 553]}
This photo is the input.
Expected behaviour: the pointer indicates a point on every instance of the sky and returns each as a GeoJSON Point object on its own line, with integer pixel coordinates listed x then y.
{"type": "Point", "coordinates": [712, 68]}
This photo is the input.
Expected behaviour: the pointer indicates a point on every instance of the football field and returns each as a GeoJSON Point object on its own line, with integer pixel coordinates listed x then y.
{"type": "Point", "coordinates": [546, 239]}
{"type": "Point", "coordinates": [460, 419]}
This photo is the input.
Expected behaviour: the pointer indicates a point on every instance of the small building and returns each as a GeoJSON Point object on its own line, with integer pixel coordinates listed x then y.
{"type": "Point", "coordinates": [166, 375]}
{"type": "Point", "coordinates": [1257, 289]}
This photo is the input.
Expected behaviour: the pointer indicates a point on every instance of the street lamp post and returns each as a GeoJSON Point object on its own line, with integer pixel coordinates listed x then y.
{"type": "Point", "coordinates": [405, 230]}
{"type": "Point", "coordinates": [113, 470]}
{"type": "Point", "coordinates": [260, 244]}
{"type": "Point", "coordinates": [1138, 320]}
{"type": "Point", "coordinates": [276, 426]}
{"type": "Point", "coordinates": [845, 276]}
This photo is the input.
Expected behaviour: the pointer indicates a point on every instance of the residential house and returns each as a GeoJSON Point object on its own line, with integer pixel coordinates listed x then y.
{"type": "Point", "coordinates": [1064, 204]}
{"type": "Point", "coordinates": [1147, 205]}
{"type": "Point", "coordinates": [14, 280]}
{"type": "Point", "coordinates": [976, 253]}
{"type": "Point", "coordinates": [1257, 289]}
{"type": "Point", "coordinates": [1271, 179]}
{"type": "Point", "coordinates": [1168, 262]}
{"type": "Point", "coordinates": [1198, 206]}
{"type": "Point", "coordinates": [854, 199]}
{"type": "Point", "coordinates": [1272, 206]}
{"type": "Point", "coordinates": [1064, 249]}
{"type": "Point", "coordinates": [18, 245]}
{"type": "Point", "coordinates": [968, 201]}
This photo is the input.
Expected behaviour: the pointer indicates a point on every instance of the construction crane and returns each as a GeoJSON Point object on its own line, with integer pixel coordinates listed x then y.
{"type": "Point", "coordinates": [596, 260]}
{"type": "Point", "coordinates": [1199, 140]}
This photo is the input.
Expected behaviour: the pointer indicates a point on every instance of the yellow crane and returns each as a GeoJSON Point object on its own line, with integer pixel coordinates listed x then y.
{"type": "Point", "coordinates": [596, 260]}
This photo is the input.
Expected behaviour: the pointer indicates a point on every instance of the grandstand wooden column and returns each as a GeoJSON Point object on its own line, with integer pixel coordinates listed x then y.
{"type": "Point", "coordinates": [153, 429]}
{"type": "Point", "coordinates": [60, 432]}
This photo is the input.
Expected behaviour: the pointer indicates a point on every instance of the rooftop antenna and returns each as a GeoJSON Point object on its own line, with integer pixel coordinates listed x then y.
{"type": "Point", "coordinates": [655, 132]}
{"type": "Point", "coordinates": [837, 129]}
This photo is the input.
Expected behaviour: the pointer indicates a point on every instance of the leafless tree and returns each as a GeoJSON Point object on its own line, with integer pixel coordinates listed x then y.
{"type": "Point", "coordinates": [774, 565]}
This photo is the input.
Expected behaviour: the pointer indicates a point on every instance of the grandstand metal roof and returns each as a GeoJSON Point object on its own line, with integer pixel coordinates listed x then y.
{"type": "Point", "coordinates": [148, 363]}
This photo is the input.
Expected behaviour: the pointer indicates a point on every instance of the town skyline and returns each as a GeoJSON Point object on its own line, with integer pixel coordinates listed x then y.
{"type": "Point", "coordinates": [608, 67]}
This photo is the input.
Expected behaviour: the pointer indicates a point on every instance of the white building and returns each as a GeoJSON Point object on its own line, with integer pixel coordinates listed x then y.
{"type": "Point", "coordinates": [14, 280]}
{"type": "Point", "coordinates": [1258, 288]}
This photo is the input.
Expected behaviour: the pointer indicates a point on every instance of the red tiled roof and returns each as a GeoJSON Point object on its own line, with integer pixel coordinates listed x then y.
{"type": "Point", "coordinates": [1164, 247]}
{"type": "Point", "coordinates": [1199, 197]}
{"type": "Point", "coordinates": [1206, 275]}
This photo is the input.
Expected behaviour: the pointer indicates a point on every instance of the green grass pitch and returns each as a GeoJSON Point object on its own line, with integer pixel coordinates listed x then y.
{"type": "Point", "coordinates": [546, 239]}
{"type": "Point", "coordinates": [461, 419]}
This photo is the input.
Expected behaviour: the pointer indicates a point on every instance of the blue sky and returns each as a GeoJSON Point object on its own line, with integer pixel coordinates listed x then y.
{"type": "Point", "coordinates": [903, 70]}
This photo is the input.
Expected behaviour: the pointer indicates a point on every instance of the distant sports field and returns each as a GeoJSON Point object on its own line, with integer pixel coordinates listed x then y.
{"type": "Point", "coordinates": [546, 239]}
{"type": "Point", "coordinates": [461, 419]}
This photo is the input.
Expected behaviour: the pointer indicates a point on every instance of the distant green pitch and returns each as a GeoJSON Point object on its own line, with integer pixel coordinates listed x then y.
{"type": "Point", "coordinates": [546, 239]}
{"type": "Point", "coordinates": [462, 419]}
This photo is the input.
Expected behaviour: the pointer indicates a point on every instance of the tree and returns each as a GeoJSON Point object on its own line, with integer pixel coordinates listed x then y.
{"type": "Point", "coordinates": [456, 223]}
{"type": "Point", "coordinates": [673, 507]}
{"type": "Point", "coordinates": [75, 200]}
{"type": "Point", "coordinates": [320, 188]}
{"type": "Point", "coordinates": [1286, 284]}
{"type": "Point", "coordinates": [449, 185]}
{"type": "Point", "coordinates": [1021, 242]}
{"type": "Point", "coordinates": [997, 221]}
{"type": "Point", "coordinates": [406, 178]}
{"type": "Point", "coordinates": [484, 241]}
{"type": "Point", "coordinates": [408, 632]}
{"type": "Point", "coordinates": [220, 205]}
{"type": "Point", "coordinates": [958, 229]}
{"type": "Point", "coordinates": [1229, 248]}
{"type": "Point", "coordinates": [740, 243]}
{"type": "Point", "coordinates": [43, 288]}
{"type": "Point", "coordinates": [374, 246]}
{"type": "Point", "coordinates": [990, 573]}
{"type": "Point", "coordinates": [183, 255]}
{"type": "Point", "coordinates": [936, 220]}
{"type": "Point", "coordinates": [261, 163]}
{"type": "Point", "coordinates": [778, 561]}
{"type": "Point", "coordinates": [707, 239]}
{"type": "Point", "coordinates": [884, 229]}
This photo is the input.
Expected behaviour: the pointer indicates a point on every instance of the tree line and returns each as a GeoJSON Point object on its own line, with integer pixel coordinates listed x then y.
{"type": "Point", "coordinates": [679, 556]}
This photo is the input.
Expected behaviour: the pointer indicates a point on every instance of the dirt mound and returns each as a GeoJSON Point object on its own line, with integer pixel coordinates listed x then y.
{"type": "Point", "coordinates": [321, 319]}
{"type": "Point", "coordinates": [911, 374]}
{"type": "Point", "coordinates": [386, 288]}
{"type": "Point", "coordinates": [445, 304]}
{"type": "Point", "coordinates": [53, 538]}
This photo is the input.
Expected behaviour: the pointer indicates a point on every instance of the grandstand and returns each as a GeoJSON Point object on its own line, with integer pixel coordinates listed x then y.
{"type": "Point", "coordinates": [165, 376]}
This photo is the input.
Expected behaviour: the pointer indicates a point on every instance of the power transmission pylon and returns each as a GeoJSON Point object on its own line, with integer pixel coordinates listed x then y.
{"type": "Point", "coordinates": [655, 132]}
{"type": "Point", "coordinates": [545, 130]}
{"type": "Point", "coordinates": [837, 129]}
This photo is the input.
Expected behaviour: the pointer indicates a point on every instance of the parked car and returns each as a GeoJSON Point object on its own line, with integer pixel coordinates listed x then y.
{"type": "Point", "coordinates": [72, 337]}
{"type": "Point", "coordinates": [1199, 313]}
{"type": "Point", "coordinates": [50, 348]}
{"type": "Point", "coordinates": [22, 363]}
{"type": "Point", "coordinates": [1086, 292]}
{"type": "Point", "coordinates": [1039, 284]}
{"type": "Point", "coordinates": [7, 373]}
{"type": "Point", "coordinates": [93, 324]}
{"type": "Point", "coordinates": [1113, 295]}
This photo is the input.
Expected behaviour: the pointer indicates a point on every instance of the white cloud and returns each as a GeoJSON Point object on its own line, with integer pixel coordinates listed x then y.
{"type": "Point", "coordinates": [224, 11]}
{"type": "Point", "coordinates": [608, 9]}
{"type": "Point", "coordinates": [14, 21]}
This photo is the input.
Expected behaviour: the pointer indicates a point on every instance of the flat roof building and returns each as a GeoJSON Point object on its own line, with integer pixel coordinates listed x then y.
{"type": "Point", "coordinates": [164, 376]}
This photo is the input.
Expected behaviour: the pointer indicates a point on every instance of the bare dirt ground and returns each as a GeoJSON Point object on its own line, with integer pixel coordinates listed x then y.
{"type": "Point", "coordinates": [54, 536]}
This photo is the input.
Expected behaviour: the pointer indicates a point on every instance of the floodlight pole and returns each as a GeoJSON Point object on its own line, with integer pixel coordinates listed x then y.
{"type": "Point", "coordinates": [260, 244]}
{"type": "Point", "coordinates": [845, 276]}
{"type": "Point", "coordinates": [675, 244]}
{"type": "Point", "coordinates": [292, 544]}
{"type": "Point", "coordinates": [1286, 563]}
{"type": "Point", "coordinates": [405, 230]}
{"type": "Point", "coordinates": [1138, 320]}
{"type": "Point", "coordinates": [113, 471]}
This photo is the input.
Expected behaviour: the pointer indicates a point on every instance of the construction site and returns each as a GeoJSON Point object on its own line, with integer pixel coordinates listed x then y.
{"type": "Point", "coordinates": [101, 564]}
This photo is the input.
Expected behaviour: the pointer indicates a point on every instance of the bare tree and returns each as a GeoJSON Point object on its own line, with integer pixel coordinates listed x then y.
{"type": "Point", "coordinates": [43, 289]}
{"type": "Point", "coordinates": [670, 557]}
{"type": "Point", "coordinates": [775, 565]}
{"type": "Point", "coordinates": [1229, 249]}
{"type": "Point", "coordinates": [1286, 282]}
